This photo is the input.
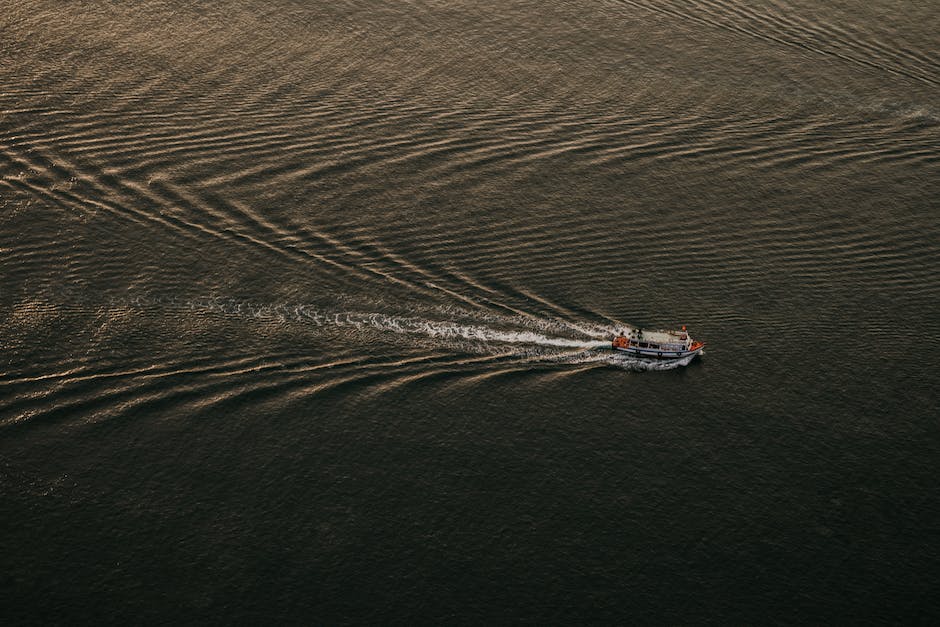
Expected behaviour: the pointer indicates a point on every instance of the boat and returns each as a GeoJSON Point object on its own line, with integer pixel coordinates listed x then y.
{"type": "Point", "coordinates": [658, 344]}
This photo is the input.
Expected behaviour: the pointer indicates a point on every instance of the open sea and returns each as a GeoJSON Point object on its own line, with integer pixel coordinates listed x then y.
{"type": "Point", "coordinates": [305, 311]}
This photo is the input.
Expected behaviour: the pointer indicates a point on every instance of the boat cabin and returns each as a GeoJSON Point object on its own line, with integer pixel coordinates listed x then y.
{"type": "Point", "coordinates": [672, 341]}
{"type": "Point", "coordinates": [658, 344]}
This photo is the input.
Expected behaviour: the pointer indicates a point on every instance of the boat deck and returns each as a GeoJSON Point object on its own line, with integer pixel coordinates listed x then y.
{"type": "Point", "coordinates": [661, 337]}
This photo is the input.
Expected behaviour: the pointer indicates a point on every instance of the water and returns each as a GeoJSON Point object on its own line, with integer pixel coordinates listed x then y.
{"type": "Point", "coordinates": [304, 305]}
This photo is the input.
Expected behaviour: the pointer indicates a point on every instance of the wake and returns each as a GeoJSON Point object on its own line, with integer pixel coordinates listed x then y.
{"type": "Point", "coordinates": [534, 340]}
{"type": "Point", "coordinates": [451, 330]}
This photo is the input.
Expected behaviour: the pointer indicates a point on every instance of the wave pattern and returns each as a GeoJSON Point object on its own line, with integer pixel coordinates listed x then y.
{"type": "Point", "coordinates": [305, 310]}
{"type": "Point", "coordinates": [785, 23]}
{"type": "Point", "coordinates": [504, 195]}
{"type": "Point", "coordinates": [502, 344]}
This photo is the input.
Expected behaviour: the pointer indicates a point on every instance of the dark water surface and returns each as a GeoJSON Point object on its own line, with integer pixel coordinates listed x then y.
{"type": "Point", "coordinates": [301, 306]}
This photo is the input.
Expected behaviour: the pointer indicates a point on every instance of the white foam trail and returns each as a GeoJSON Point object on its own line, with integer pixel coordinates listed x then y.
{"type": "Point", "coordinates": [413, 325]}
{"type": "Point", "coordinates": [449, 330]}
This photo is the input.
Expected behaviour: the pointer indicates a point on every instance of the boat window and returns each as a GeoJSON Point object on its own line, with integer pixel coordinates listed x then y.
{"type": "Point", "coordinates": [644, 345]}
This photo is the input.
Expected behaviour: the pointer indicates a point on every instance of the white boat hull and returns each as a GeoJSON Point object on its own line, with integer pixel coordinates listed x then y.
{"type": "Point", "coordinates": [649, 353]}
